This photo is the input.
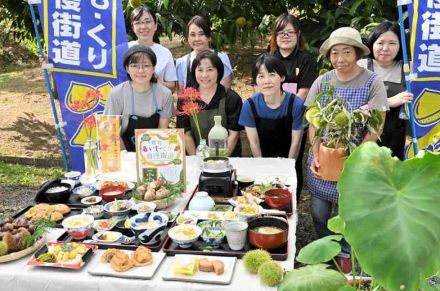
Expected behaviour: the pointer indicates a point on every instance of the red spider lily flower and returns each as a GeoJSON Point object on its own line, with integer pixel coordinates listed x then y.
{"type": "Point", "coordinates": [189, 109]}
{"type": "Point", "coordinates": [190, 94]}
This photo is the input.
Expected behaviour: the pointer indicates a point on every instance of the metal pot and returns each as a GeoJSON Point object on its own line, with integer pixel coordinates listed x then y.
{"type": "Point", "coordinates": [217, 164]}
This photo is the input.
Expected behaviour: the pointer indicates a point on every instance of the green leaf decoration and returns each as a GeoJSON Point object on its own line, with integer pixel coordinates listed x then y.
{"type": "Point", "coordinates": [177, 161]}
{"type": "Point", "coordinates": [312, 278]}
{"type": "Point", "coordinates": [336, 224]}
{"type": "Point", "coordinates": [145, 137]}
{"type": "Point", "coordinates": [321, 250]}
{"type": "Point", "coordinates": [391, 211]}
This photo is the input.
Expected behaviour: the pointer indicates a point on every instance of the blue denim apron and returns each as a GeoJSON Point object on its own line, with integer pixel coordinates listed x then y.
{"type": "Point", "coordinates": [353, 98]}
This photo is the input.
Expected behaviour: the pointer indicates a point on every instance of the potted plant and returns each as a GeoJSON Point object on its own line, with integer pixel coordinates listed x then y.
{"type": "Point", "coordinates": [337, 128]}
{"type": "Point", "coordinates": [389, 214]}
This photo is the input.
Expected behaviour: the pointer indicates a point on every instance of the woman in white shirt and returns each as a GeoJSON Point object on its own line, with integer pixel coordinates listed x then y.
{"type": "Point", "coordinates": [144, 24]}
{"type": "Point", "coordinates": [198, 34]}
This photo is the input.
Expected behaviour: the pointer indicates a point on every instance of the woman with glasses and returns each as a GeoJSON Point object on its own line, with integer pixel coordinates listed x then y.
{"type": "Point", "coordinates": [385, 59]}
{"type": "Point", "coordinates": [198, 35]}
{"type": "Point", "coordinates": [358, 88]}
{"type": "Point", "coordinates": [287, 44]}
{"type": "Point", "coordinates": [273, 118]}
{"type": "Point", "coordinates": [144, 24]}
{"type": "Point", "coordinates": [215, 99]}
{"type": "Point", "coordinates": [141, 101]}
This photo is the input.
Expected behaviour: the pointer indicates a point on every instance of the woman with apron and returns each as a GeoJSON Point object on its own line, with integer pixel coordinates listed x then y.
{"type": "Point", "coordinates": [358, 87]}
{"type": "Point", "coordinates": [273, 118]}
{"type": "Point", "coordinates": [287, 44]}
{"type": "Point", "coordinates": [215, 99]}
{"type": "Point", "coordinates": [385, 60]}
{"type": "Point", "coordinates": [198, 35]}
{"type": "Point", "coordinates": [141, 101]}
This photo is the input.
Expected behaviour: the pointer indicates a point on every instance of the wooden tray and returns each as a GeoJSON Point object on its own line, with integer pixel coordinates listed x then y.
{"type": "Point", "coordinates": [18, 255]}
{"type": "Point", "coordinates": [156, 246]}
{"type": "Point", "coordinates": [200, 248]}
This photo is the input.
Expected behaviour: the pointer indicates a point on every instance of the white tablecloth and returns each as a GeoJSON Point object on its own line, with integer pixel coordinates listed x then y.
{"type": "Point", "coordinates": [17, 275]}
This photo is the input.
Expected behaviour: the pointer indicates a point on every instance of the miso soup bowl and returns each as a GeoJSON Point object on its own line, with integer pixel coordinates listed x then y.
{"type": "Point", "coordinates": [268, 240]}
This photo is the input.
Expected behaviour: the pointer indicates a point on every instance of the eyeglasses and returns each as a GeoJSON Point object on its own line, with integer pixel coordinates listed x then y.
{"type": "Point", "coordinates": [143, 22]}
{"type": "Point", "coordinates": [288, 33]}
{"type": "Point", "coordinates": [138, 67]}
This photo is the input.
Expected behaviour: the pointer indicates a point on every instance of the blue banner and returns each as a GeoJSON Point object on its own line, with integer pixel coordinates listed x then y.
{"type": "Point", "coordinates": [425, 77]}
{"type": "Point", "coordinates": [85, 43]}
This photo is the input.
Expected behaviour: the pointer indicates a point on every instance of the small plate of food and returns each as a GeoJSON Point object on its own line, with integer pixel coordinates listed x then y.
{"type": "Point", "coordinates": [91, 200]}
{"type": "Point", "coordinates": [201, 269]}
{"type": "Point", "coordinates": [141, 263]}
{"type": "Point", "coordinates": [71, 255]}
{"type": "Point", "coordinates": [107, 236]}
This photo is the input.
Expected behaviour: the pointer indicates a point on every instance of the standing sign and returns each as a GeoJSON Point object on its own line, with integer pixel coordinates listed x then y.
{"type": "Point", "coordinates": [109, 143]}
{"type": "Point", "coordinates": [85, 43]}
{"type": "Point", "coordinates": [160, 153]}
{"type": "Point", "coordinates": [425, 51]}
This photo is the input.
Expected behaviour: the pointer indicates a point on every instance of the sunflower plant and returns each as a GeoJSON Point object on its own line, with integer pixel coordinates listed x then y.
{"type": "Point", "coordinates": [338, 127]}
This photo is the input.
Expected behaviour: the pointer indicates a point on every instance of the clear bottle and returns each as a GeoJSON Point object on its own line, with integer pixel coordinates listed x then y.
{"type": "Point", "coordinates": [202, 150]}
{"type": "Point", "coordinates": [90, 158]}
{"type": "Point", "coordinates": [218, 139]}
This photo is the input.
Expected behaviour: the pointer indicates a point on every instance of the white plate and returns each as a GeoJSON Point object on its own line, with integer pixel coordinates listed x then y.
{"type": "Point", "coordinates": [130, 185]}
{"type": "Point", "coordinates": [144, 272]}
{"type": "Point", "coordinates": [116, 235]}
{"type": "Point", "coordinates": [204, 215]}
{"type": "Point", "coordinates": [84, 200]}
{"type": "Point", "coordinates": [234, 200]}
{"type": "Point", "coordinates": [203, 277]}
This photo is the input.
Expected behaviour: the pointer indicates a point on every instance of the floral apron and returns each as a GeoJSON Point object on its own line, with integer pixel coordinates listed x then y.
{"type": "Point", "coordinates": [353, 98]}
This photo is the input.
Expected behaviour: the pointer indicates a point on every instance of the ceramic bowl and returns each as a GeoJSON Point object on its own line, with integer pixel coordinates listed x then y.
{"type": "Point", "coordinates": [185, 234]}
{"type": "Point", "coordinates": [118, 207]}
{"type": "Point", "coordinates": [186, 219]}
{"type": "Point", "coordinates": [91, 200]}
{"type": "Point", "coordinates": [73, 175]}
{"type": "Point", "coordinates": [84, 191]}
{"type": "Point", "coordinates": [78, 226]}
{"type": "Point", "coordinates": [268, 232]}
{"type": "Point", "coordinates": [58, 192]}
{"type": "Point", "coordinates": [244, 181]}
{"type": "Point", "coordinates": [211, 223]}
{"type": "Point", "coordinates": [148, 227]}
{"type": "Point", "coordinates": [97, 211]}
{"type": "Point", "coordinates": [107, 236]}
{"type": "Point", "coordinates": [144, 207]}
{"type": "Point", "coordinates": [278, 198]}
{"type": "Point", "coordinates": [213, 236]}
{"type": "Point", "coordinates": [112, 193]}
{"type": "Point", "coordinates": [248, 211]}
{"type": "Point", "coordinates": [87, 181]}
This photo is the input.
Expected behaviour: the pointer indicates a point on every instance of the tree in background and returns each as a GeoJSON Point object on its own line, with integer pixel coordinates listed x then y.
{"type": "Point", "coordinates": [243, 21]}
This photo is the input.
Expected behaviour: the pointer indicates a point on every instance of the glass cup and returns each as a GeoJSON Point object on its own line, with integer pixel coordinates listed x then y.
{"type": "Point", "coordinates": [236, 234]}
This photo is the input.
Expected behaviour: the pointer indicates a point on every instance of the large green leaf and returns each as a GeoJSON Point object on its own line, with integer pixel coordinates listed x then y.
{"type": "Point", "coordinates": [321, 250]}
{"type": "Point", "coordinates": [312, 278]}
{"type": "Point", "coordinates": [391, 211]}
{"type": "Point", "coordinates": [336, 224]}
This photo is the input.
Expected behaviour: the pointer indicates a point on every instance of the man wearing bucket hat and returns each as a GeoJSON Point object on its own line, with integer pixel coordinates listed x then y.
{"type": "Point", "coordinates": [141, 101]}
{"type": "Point", "coordinates": [358, 87]}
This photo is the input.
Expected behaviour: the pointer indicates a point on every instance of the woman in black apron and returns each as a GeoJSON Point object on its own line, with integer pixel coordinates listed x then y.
{"type": "Point", "coordinates": [386, 60]}
{"type": "Point", "coordinates": [198, 35]}
{"type": "Point", "coordinates": [273, 119]}
{"type": "Point", "coordinates": [287, 44]}
{"type": "Point", "coordinates": [141, 101]}
{"type": "Point", "coordinates": [215, 99]}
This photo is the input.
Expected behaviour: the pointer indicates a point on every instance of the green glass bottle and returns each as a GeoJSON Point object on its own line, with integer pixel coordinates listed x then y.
{"type": "Point", "coordinates": [218, 139]}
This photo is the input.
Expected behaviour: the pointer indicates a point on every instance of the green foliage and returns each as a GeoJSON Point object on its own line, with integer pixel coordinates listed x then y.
{"type": "Point", "coordinates": [20, 175]}
{"type": "Point", "coordinates": [391, 214]}
{"type": "Point", "coordinates": [312, 278]}
{"type": "Point", "coordinates": [321, 250]}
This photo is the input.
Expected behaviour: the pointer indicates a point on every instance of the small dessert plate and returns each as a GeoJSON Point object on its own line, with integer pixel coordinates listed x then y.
{"type": "Point", "coordinates": [91, 200]}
